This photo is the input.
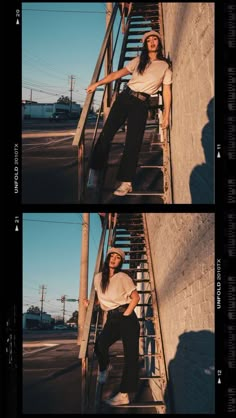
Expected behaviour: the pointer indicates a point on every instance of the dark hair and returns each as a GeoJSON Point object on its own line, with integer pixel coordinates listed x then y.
{"type": "Point", "coordinates": [144, 57]}
{"type": "Point", "coordinates": [105, 273]}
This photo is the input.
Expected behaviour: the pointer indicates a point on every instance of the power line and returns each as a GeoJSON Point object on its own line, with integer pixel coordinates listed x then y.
{"type": "Point", "coordinates": [60, 11]}
{"type": "Point", "coordinates": [53, 222]}
{"type": "Point", "coordinates": [41, 91]}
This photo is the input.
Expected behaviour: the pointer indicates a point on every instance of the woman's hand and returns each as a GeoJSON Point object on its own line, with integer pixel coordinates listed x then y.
{"type": "Point", "coordinates": [86, 303]}
{"type": "Point", "coordinates": [92, 88]}
{"type": "Point", "coordinates": [165, 120]}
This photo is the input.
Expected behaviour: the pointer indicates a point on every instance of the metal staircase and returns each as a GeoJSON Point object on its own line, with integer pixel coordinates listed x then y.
{"type": "Point", "coordinates": [153, 182]}
{"type": "Point", "coordinates": [129, 233]}
{"type": "Point", "coordinates": [153, 179]}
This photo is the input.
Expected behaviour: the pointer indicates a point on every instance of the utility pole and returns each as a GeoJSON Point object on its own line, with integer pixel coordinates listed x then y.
{"type": "Point", "coordinates": [108, 67]}
{"type": "Point", "coordinates": [63, 300]}
{"type": "Point", "coordinates": [72, 84]}
{"type": "Point", "coordinates": [43, 288]}
{"type": "Point", "coordinates": [31, 95]}
{"type": "Point", "coordinates": [83, 290]}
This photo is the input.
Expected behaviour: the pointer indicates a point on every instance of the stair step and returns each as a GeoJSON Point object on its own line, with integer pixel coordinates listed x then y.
{"type": "Point", "coordinates": [142, 355]}
{"type": "Point", "coordinates": [149, 336]}
{"type": "Point", "coordinates": [130, 245]}
{"type": "Point", "coordinates": [133, 41]}
{"type": "Point", "coordinates": [120, 231]}
{"type": "Point", "coordinates": [142, 292]}
{"type": "Point", "coordinates": [139, 25]}
{"type": "Point", "coordinates": [133, 49]}
{"type": "Point", "coordinates": [128, 238]}
{"type": "Point", "coordinates": [141, 377]}
{"type": "Point", "coordinates": [145, 194]}
{"type": "Point", "coordinates": [160, 167]}
{"type": "Point", "coordinates": [126, 234]}
{"type": "Point", "coordinates": [147, 404]}
{"type": "Point", "coordinates": [135, 252]}
{"type": "Point", "coordinates": [148, 318]}
{"type": "Point", "coordinates": [129, 228]}
{"type": "Point", "coordinates": [137, 19]}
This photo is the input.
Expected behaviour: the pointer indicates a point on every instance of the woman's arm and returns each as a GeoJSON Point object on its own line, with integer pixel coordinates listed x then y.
{"type": "Point", "coordinates": [166, 93]}
{"type": "Point", "coordinates": [86, 301]}
{"type": "Point", "coordinates": [108, 79]}
{"type": "Point", "coordinates": [134, 301]}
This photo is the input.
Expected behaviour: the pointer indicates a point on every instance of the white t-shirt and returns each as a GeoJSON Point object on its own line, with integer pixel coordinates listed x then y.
{"type": "Point", "coordinates": [118, 292]}
{"type": "Point", "coordinates": [149, 82]}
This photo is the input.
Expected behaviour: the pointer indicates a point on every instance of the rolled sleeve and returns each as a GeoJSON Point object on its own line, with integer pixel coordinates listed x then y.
{"type": "Point", "coordinates": [167, 76]}
{"type": "Point", "coordinates": [128, 285]}
{"type": "Point", "coordinates": [132, 65]}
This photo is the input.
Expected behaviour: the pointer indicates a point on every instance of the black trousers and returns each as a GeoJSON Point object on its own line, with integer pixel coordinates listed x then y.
{"type": "Point", "coordinates": [127, 329]}
{"type": "Point", "coordinates": [135, 111]}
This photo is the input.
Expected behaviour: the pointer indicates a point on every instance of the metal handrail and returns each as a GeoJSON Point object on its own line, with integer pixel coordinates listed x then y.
{"type": "Point", "coordinates": [84, 180]}
{"type": "Point", "coordinates": [88, 318]}
{"type": "Point", "coordinates": [82, 120]}
{"type": "Point", "coordinates": [83, 353]}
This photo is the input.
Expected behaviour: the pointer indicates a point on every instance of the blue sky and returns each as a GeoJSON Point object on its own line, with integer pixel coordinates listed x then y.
{"type": "Point", "coordinates": [51, 257]}
{"type": "Point", "coordinates": [60, 40]}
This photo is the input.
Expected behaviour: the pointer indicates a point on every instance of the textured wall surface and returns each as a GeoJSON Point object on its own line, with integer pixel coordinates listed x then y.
{"type": "Point", "coordinates": [189, 42]}
{"type": "Point", "coordinates": [182, 248]}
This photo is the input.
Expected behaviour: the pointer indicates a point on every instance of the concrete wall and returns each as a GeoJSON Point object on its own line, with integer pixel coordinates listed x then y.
{"type": "Point", "coordinates": [182, 247]}
{"type": "Point", "coordinates": [189, 42]}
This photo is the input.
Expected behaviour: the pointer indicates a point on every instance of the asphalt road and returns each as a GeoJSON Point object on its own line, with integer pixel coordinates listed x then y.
{"type": "Point", "coordinates": [51, 379]}
{"type": "Point", "coordinates": [50, 162]}
{"type": "Point", "coordinates": [51, 373]}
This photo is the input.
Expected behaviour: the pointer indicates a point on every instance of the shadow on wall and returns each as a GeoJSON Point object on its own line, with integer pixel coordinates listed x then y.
{"type": "Point", "coordinates": [202, 177]}
{"type": "Point", "coordinates": [150, 342]}
{"type": "Point", "coordinates": [191, 385]}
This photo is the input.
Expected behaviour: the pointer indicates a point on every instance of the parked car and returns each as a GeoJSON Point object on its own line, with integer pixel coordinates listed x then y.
{"type": "Point", "coordinates": [57, 116]}
{"type": "Point", "coordinates": [60, 327]}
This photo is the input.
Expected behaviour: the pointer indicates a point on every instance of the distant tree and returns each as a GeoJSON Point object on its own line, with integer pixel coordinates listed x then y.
{"type": "Point", "coordinates": [64, 100]}
{"type": "Point", "coordinates": [34, 310]}
{"type": "Point", "coordinates": [74, 317]}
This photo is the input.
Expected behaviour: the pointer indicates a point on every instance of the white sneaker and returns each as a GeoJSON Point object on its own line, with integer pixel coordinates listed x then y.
{"type": "Point", "coordinates": [119, 399]}
{"type": "Point", "coordinates": [102, 376]}
{"type": "Point", "coordinates": [123, 189]}
{"type": "Point", "coordinates": [93, 178]}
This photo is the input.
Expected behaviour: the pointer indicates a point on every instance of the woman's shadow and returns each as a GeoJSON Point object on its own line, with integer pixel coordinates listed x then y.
{"type": "Point", "coordinates": [191, 375]}
{"type": "Point", "coordinates": [201, 181]}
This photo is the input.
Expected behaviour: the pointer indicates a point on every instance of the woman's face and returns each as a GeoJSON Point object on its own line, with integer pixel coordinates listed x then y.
{"type": "Point", "coordinates": [114, 261]}
{"type": "Point", "coordinates": [152, 43]}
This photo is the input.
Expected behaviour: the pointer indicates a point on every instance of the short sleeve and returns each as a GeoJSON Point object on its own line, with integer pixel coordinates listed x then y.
{"type": "Point", "coordinates": [97, 280]}
{"type": "Point", "coordinates": [167, 76]}
{"type": "Point", "coordinates": [132, 65]}
{"type": "Point", "coordinates": [128, 284]}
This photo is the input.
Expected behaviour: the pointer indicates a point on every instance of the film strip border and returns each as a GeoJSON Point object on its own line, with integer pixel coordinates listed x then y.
{"type": "Point", "coordinates": [226, 249]}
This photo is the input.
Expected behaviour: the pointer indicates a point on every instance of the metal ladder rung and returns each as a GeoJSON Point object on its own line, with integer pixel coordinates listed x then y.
{"type": "Point", "coordinates": [148, 404]}
{"type": "Point", "coordinates": [141, 355]}
{"type": "Point", "coordinates": [145, 194]}
{"type": "Point", "coordinates": [144, 291]}
{"type": "Point", "coordinates": [128, 233]}
{"type": "Point", "coordinates": [151, 166]}
{"type": "Point", "coordinates": [148, 318]}
{"type": "Point", "coordinates": [130, 245]}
